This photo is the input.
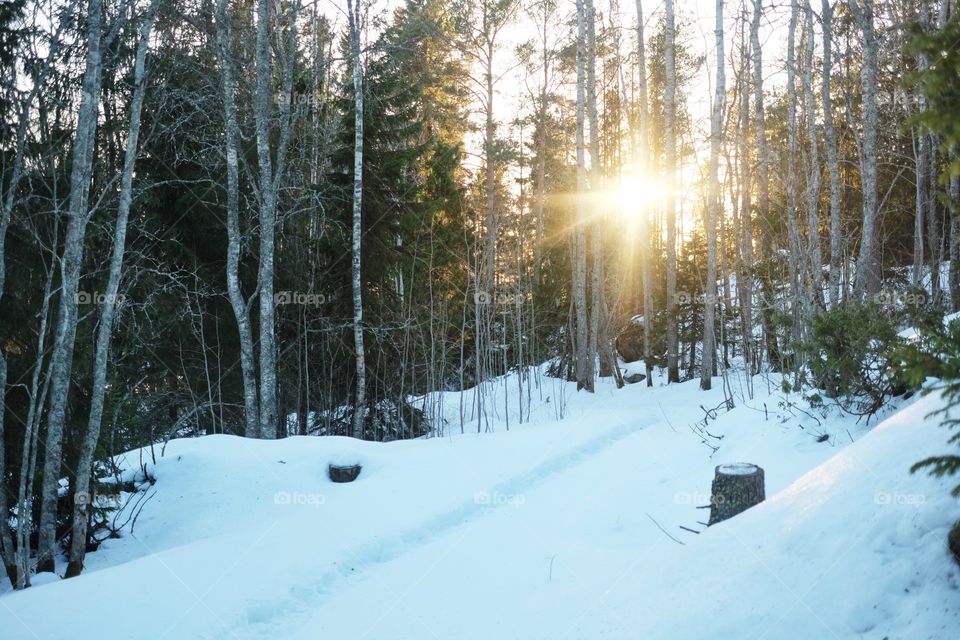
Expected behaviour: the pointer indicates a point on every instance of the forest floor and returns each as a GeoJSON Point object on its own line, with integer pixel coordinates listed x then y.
{"type": "Point", "coordinates": [553, 529]}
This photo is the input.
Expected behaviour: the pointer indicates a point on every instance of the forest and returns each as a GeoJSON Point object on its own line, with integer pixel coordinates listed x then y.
{"type": "Point", "coordinates": [276, 218]}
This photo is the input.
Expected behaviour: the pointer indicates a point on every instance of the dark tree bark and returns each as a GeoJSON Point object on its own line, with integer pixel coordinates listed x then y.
{"type": "Point", "coordinates": [736, 488]}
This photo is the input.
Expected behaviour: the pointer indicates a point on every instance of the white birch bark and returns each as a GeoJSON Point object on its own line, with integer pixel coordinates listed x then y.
{"type": "Point", "coordinates": [670, 143]}
{"type": "Point", "coordinates": [833, 162]}
{"type": "Point", "coordinates": [238, 304]}
{"type": "Point", "coordinates": [77, 214]}
{"type": "Point", "coordinates": [642, 156]}
{"type": "Point", "coordinates": [867, 278]}
{"type": "Point", "coordinates": [105, 327]}
{"type": "Point", "coordinates": [360, 399]}
{"type": "Point", "coordinates": [584, 364]}
{"type": "Point", "coordinates": [713, 206]}
{"type": "Point", "coordinates": [814, 250]}
{"type": "Point", "coordinates": [268, 223]}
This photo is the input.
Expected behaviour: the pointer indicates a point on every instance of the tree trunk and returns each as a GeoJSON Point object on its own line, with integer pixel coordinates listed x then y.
{"type": "Point", "coordinates": [797, 266]}
{"type": "Point", "coordinates": [713, 207]}
{"type": "Point", "coordinates": [815, 252]}
{"type": "Point", "coordinates": [833, 163]}
{"type": "Point", "coordinates": [646, 240]}
{"type": "Point", "coordinates": [670, 153]}
{"type": "Point", "coordinates": [599, 341]}
{"type": "Point", "coordinates": [585, 360]}
{"type": "Point", "coordinates": [268, 224]}
{"type": "Point", "coordinates": [736, 488]}
{"type": "Point", "coordinates": [359, 407]}
{"type": "Point", "coordinates": [84, 493]}
{"type": "Point", "coordinates": [241, 312]}
{"type": "Point", "coordinates": [77, 217]}
{"type": "Point", "coordinates": [868, 276]}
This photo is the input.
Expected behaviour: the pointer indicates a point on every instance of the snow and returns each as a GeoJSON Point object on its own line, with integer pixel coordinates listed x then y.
{"type": "Point", "coordinates": [554, 529]}
{"type": "Point", "coordinates": [737, 469]}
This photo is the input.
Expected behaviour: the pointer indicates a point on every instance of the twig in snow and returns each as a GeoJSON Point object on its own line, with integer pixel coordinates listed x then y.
{"type": "Point", "coordinates": [665, 531]}
{"type": "Point", "coordinates": [688, 529]}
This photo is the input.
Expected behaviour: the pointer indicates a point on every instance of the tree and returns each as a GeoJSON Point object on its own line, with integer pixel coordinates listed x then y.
{"type": "Point", "coordinates": [82, 497]}
{"type": "Point", "coordinates": [359, 406]}
{"type": "Point", "coordinates": [585, 358]}
{"type": "Point", "coordinates": [830, 141]}
{"type": "Point", "coordinates": [713, 206]}
{"type": "Point", "coordinates": [70, 262]}
{"type": "Point", "coordinates": [868, 277]}
{"type": "Point", "coordinates": [670, 145]}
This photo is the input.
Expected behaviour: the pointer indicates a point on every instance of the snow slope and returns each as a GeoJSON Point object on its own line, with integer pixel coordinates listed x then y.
{"type": "Point", "coordinates": [565, 529]}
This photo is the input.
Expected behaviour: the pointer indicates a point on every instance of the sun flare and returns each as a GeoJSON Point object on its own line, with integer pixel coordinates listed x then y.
{"type": "Point", "coordinates": [634, 194]}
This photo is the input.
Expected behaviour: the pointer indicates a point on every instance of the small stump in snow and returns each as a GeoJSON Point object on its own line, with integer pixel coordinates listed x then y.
{"type": "Point", "coordinates": [736, 488]}
{"type": "Point", "coordinates": [344, 473]}
{"type": "Point", "coordinates": [953, 541]}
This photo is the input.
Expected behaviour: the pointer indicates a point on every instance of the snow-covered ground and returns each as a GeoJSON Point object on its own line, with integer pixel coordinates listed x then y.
{"type": "Point", "coordinates": [553, 529]}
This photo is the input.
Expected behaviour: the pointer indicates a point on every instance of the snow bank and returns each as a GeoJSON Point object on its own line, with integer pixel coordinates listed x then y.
{"type": "Point", "coordinates": [577, 529]}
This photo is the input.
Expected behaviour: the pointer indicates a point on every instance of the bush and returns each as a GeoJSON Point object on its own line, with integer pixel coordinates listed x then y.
{"type": "Point", "coordinates": [936, 354]}
{"type": "Point", "coordinates": [851, 357]}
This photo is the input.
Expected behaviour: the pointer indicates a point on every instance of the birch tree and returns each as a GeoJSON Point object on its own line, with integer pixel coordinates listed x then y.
{"type": "Point", "coordinates": [642, 162]}
{"type": "Point", "coordinates": [353, 11]}
{"type": "Point", "coordinates": [238, 304]}
{"type": "Point", "coordinates": [584, 358]}
{"type": "Point", "coordinates": [670, 143]}
{"type": "Point", "coordinates": [833, 162]}
{"type": "Point", "coordinates": [71, 260]}
{"type": "Point", "coordinates": [713, 206]}
{"type": "Point", "coordinates": [83, 497]}
{"type": "Point", "coordinates": [814, 250]}
{"type": "Point", "coordinates": [867, 276]}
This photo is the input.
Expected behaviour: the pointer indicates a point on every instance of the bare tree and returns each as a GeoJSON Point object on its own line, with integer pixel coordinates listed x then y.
{"type": "Point", "coordinates": [814, 250]}
{"type": "Point", "coordinates": [670, 143]}
{"type": "Point", "coordinates": [584, 358]}
{"type": "Point", "coordinates": [833, 163]}
{"type": "Point", "coordinates": [643, 149]}
{"type": "Point", "coordinates": [353, 11]}
{"type": "Point", "coordinates": [867, 278]}
{"type": "Point", "coordinates": [77, 215]}
{"type": "Point", "coordinates": [240, 306]}
{"type": "Point", "coordinates": [713, 206]}
{"type": "Point", "coordinates": [83, 496]}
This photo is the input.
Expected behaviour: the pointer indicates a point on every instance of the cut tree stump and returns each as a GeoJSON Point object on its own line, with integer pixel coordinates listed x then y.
{"type": "Point", "coordinates": [344, 473]}
{"type": "Point", "coordinates": [736, 487]}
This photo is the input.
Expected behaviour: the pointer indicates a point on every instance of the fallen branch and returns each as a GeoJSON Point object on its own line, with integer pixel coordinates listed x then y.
{"type": "Point", "coordinates": [665, 531]}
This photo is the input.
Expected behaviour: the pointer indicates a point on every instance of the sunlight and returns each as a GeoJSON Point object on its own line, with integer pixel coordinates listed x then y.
{"type": "Point", "coordinates": [634, 194]}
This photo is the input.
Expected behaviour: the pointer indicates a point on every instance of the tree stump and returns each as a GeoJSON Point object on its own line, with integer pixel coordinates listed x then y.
{"type": "Point", "coordinates": [953, 541]}
{"type": "Point", "coordinates": [736, 488]}
{"type": "Point", "coordinates": [344, 473]}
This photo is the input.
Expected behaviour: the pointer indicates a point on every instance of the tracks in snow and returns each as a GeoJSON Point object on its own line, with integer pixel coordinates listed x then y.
{"type": "Point", "coordinates": [262, 619]}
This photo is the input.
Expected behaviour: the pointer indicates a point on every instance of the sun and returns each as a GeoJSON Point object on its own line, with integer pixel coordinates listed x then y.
{"type": "Point", "coordinates": [633, 195]}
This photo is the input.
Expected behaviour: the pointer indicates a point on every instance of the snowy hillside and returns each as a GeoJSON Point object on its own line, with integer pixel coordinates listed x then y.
{"type": "Point", "coordinates": [554, 529]}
